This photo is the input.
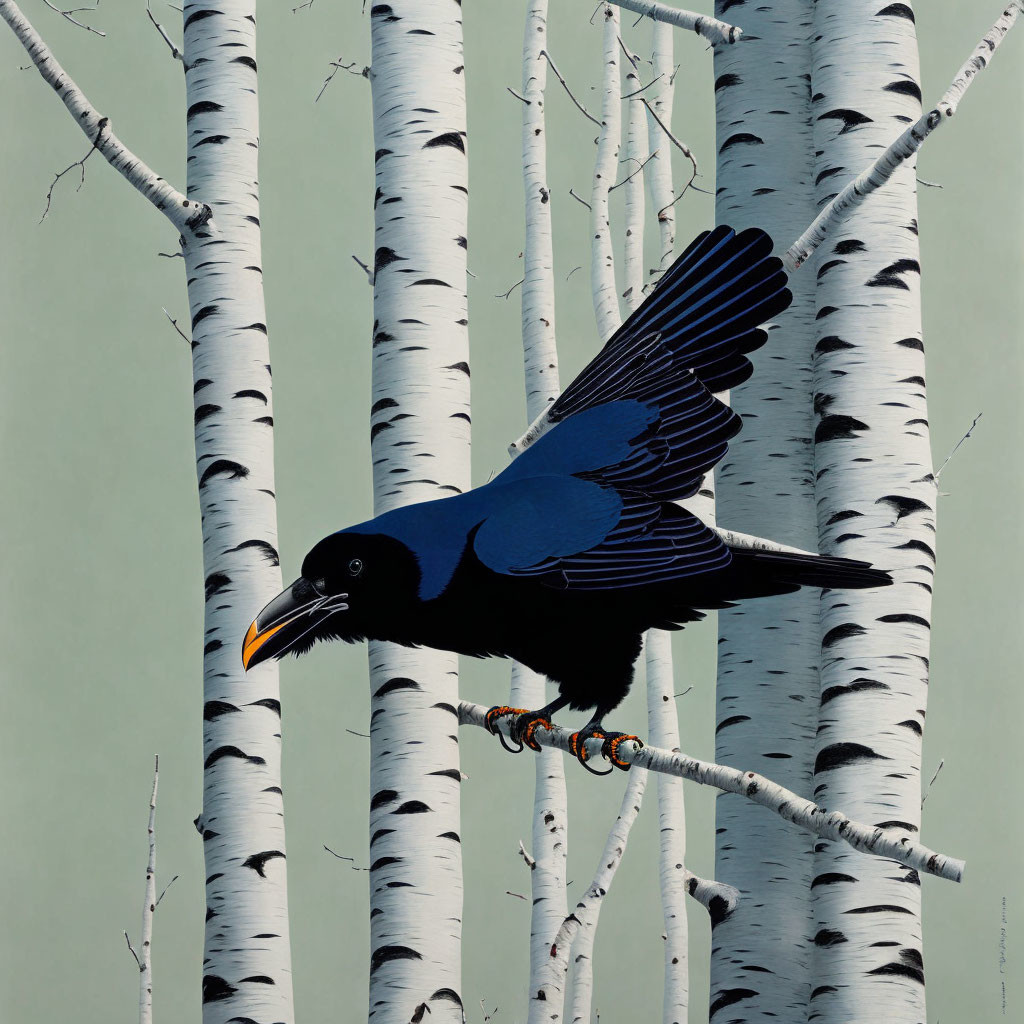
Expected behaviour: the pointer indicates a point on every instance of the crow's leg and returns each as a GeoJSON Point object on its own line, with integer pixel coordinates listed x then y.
{"type": "Point", "coordinates": [610, 749]}
{"type": "Point", "coordinates": [524, 724]}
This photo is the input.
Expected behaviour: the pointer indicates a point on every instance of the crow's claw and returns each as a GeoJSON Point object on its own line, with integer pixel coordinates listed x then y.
{"type": "Point", "coordinates": [525, 725]}
{"type": "Point", "coordinates": [490, 723]}
{"type": "Point", "coordinates": [578, 747]}
{"type": "Point", "coordinates": [610, 749]}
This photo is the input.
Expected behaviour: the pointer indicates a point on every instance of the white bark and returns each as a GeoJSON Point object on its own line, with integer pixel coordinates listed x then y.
{"type": "Point", "coordinates": [875, 493]}
{"type": "Point", "coordinates": [247, 961]}
{"type": "Point", "coordinates": [180, 211]}
{"type": "Point", "coordinates": [767, 684]}
{"type": "Point", "coordinates": [893, 842]}
{"type": "Point", "coordinates": [540, 359]}
{"type": "Point", "coordinates": [148, 909]}
{"type": "Point", "coordinates": [659, 170]}
{"type": "Point", "coordinates": [905, 146]}
{"type": "Point", "coordinates": [602, 258]}
{"type": "Point", "coordinates": [713, 31]}
{"type": "Point", "coordinates": [718, 899]}
{"type": "Point", "coordinates": [420, 447]}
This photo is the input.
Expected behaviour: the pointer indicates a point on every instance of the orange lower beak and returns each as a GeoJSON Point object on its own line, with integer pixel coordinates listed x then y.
{"type": "Point", "coordinates": [254, 640]}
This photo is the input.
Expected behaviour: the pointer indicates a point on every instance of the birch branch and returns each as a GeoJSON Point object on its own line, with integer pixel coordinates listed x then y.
{"type": "Point", "coordinates": [149, 904]}
{"type": "Point", "coordinates": [805, 814]}
{"type": "Point", "coordinates": [713, 31]}
{"type": "Point", "coordinates": [904, 147]}
{"type": "Point", "coordinates": [175, 52]}
{"type": "Point", "coordinates": [184, 214]}
{"type": "Point", "coordinates": [717, 898]}
{"type": "Point", "coordinates": [552, 989]}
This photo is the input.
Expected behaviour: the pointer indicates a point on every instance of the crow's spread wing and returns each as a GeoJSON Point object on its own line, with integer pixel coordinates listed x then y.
{"type": "Point", "coordinates": [641, 416]}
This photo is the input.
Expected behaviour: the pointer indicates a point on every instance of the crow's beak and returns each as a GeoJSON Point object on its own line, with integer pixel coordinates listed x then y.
{"type": "Point", "coordinates": [296, 611]}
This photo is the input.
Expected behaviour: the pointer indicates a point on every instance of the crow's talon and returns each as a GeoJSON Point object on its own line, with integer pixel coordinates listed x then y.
{"type": "Point", "coordinates": [490, 723]}
{"type": "Point", "coordinates": [611, 748]}
{"type": "Point", "coordinates": [578, 747]}
{"type": "Point", "coordinates": [524, 726]}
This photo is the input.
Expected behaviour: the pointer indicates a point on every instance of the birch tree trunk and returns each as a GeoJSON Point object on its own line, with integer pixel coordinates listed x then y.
{"type": "Point", "coordinates": [768, 649]}
{"type": "Point", "coordinates": [540, 362]}
{"type": "Point", "coordinates": [420, 448]}
{"type": "Point", "coordinates": [247, 961]}
{"type": "Point", "coordinates": [876, 501]}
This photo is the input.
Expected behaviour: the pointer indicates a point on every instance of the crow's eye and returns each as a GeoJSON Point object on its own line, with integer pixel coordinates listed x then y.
{"type": "Point", "coordinates": [355, 567]}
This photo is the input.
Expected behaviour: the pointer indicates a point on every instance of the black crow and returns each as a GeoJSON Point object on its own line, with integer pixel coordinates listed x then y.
{"type": "Point", "coordinates": [565, 558]}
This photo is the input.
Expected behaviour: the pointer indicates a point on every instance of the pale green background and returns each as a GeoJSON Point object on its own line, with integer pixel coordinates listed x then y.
{"type": "Point", "coordinates": [102, 595]}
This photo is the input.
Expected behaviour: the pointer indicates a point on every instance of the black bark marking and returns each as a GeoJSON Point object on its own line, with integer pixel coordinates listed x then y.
{"type": "Point", "coordinates": [904, 506]}
{"type": "Point", "coordinates": [251, 393]}
{"type": "Point", "coordinates": [849, 245]}
{"type": "Point", "coordinates": [247, 61]}
{"type": "Point", "coordinates": [262, 328]}
{"type": "Point", "coordinates": [734, 720]}
{"type": "Point", "coordinates": [741, 139]}
{"type": "Point", "coordinates": [258, 861]}
{"type": "Point", "coordinates": [841, 516]}
{"type": "Point", "coordinates": [851, 118]}
{"type": "Point", "coordinates": [453, 139]}
{"type": "Point", "coordinates": [901, 970]}
{"type": "Point", "coordinates": [213, 645]}
{"type": "Point", "coordinates": [378, 428]}
{"type": "Point", "coordinates": [205, 411]}
{"type": "Point", "coordinates": [917, 545]}
{"type": "Point", "coordinates": [444, 706]}
{"type": "Point", "coordinates": [384, 796]}
{"type": "Point", "coordinates": [199, 16]}
{"type": "Point", "coordinates": [431, 280]}
{"type": "Point", "coordinates": [397, 683]}
{"type": "Point", "coordinates": [823, 990]}
{"type": "Point", "coordinates": [383, 403]}
{"type": "Point", "coordinates": [911, 343]}
{"type": "Point", "coordinates": [718, 907]}
{"type": "Point", "coordinates": [826, 311]}
{"type": "Point", "coordinates": [728, 998]}
{"type": "Point", "coordinates": [384, 11]}
{"type": "Point", "coordinates": [448, 773]}
{"type": "Point", "coordinates": [225, 466]}
{"type": "Point", "coordinates": [229, 751]}
{"type": "Point", "coordinates": [265, 548]}
{"type": "Point", "coordinates": [382, 954]}
{"type": "Point", "coordinates": [447, 993]}
{"type": "Point", "coordinates": [202, 314]}
{"type": "Point", "coordinates": [384, 256]}
{"type": "Point", "coordinates": [453, 836]}
{"type": "Point", "coordinates": [826, 267]}
{"type": "Point", "coordinates": [261, 979]}
{"type": "Point", "coordinates": [210, 913]}
{"type": "Point", "coordinates": [896, 11]}
{"type": "Point", "coordinates": [829, 937]}
{"type": "Point", "coordinates": [905, 87]}
{"type": "Point", "coordinates": [832, 343]}
{"type": "Point", "coordinates": [905, 617]}
{"type": "Point", "coordinates": [383, 862]}
{"type": "Point", "coordinates": [211, 140]}
{"type": "Point", "coordinates": [204, 106]}
{"type": "Point", "coordinates": [378, 154]}
{"type": "Point", "coordinates": [200, 384]}
{"type": "Point", "coordinates": [215, 989]}
{"type": "Point", "coordinates": [460, 416]}
{"type": "Point", "coordinates": [256, 221]}
{"type": "Point", "coordinates": [837, 427]}
{"type": "Point", "coordinates": [895, 823]}
{"type": "Point", "coordinates": [463, 366]}
{"type": "Point", "coordinates": [462, 241]}
{"type": "Point", "coordinates": [379, 834]}
{"type": "Point", "coordinates": [912, 877]}
{"type": "Point", "coordinates": [413, 807]}
{"type": "Point", "coordinates": [725, 81]}
{"type": "Point", "coordinates": [879, 908]}
{"type": "Point", "coordinates": [213, 709]}
{"type": "Point", "coordinates": [831, 878]}
{"type": "Point", "coordinates": [841, 755]}
{"type": "Point", "coordinates": [889, 277]}
{"type": "Point", "coordinates": [271, 704]}
{"type": "Point", "coordinates": [827, 173]}
{"type": "Point", "coordinates": [215, 583]}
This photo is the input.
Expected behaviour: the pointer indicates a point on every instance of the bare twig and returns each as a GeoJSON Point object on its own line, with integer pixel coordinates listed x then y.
{"type": "Point", "coordinates": [365, 735]}
{"type": "Point", "coordinates": [682, 146]}
{"type": "Point", "coordinates": [530, 862]}
{"type": "Point", "coordinates": [353, 865]}
{"type": "Point", "coordinates": [306, 6]}
{"type": "Point", "coordinates": [928, 184]}
{"type": "Point", "coordinates": [338, 66]}
{"type": "Point", "coordinates": [574, 269]}
{"type": "Point", "coordinates": [637, 171]}
{"type": "Point", "coordinates": [636, 92]}
{"type": "Point", "coordinates": [518, 896]}
{"type": "Point", "coordinates": [505, 295]}
{"type": "Point", "coordinates": [131, 949]}
{"type": "Point", "coordinates": [565, 85]}
{"type": "Point", "coordinates": [928, 788]}
{"type": "Point", "coordinates": [517, 96]}
{"type": "Point", "coordinates": [77, 163]}
{"type": "Point", "coordinates": [175, 52]}
{"type": "Point", "coordinates": [164, 892]}
{"type": "Point", "coordinates": [683, 693]}
{"type": "Point", "coordinates": [369, 272]}
{"type": "Point", "coordinates": [174, 323]}
{"type": "Point", "coordinates": [713, 31]}
{"type": "Point", "coordinates": [68, 16]}
{"type": "Point", "coordinates": [579, 199]}
{"type": "Point", "coordinates": [956, 447]}
{"type": "Point", "coordinates": [890, 842]}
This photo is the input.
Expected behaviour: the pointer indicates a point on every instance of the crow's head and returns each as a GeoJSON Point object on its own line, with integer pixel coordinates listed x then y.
{"type": "Point", "coordinates": [352, 586]}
